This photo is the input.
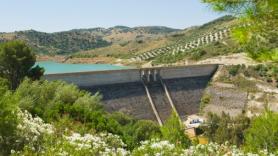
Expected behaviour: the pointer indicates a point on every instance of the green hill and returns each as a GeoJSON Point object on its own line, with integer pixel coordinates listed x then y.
{"type": "Point", "coordinates": [76, 40]}
{"type": "Point", "coordinates": [136, 47]}
{"type": "Point", "coordinates": [125, 42]}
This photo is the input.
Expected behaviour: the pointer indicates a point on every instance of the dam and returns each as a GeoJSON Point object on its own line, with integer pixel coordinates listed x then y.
{"type": "Point", "coordinates": [147, 93]}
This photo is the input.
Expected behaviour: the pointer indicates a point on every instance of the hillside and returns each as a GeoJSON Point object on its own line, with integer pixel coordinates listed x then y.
{"type": "Point", "coordinates": [76, 40]}
{"type": "Point", "coordinates": [100, 45]}
{"type": "Point", "coordinates": [172, 40]}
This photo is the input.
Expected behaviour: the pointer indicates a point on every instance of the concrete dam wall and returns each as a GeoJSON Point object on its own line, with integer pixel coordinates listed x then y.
{"type": "Point", "coordinates": [148, 93]}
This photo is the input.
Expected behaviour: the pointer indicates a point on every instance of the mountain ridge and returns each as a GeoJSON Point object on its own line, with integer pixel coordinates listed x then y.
{"type": "Point", "coordinates": [132, 39]}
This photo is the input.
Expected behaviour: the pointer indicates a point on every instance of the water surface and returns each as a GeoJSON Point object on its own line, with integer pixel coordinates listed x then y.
{"type": "Point", "coordinates": [55, 68]}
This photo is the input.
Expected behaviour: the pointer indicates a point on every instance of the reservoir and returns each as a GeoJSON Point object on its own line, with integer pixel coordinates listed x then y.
{"type": "Point", "coordinates": [56, 68]}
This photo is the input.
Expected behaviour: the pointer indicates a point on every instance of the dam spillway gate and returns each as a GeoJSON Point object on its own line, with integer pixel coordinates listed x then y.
{"type": "Point", "coordinates": [148, 93]}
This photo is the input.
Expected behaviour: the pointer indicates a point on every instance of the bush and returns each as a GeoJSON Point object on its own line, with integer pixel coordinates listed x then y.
{"type": "Point", "coordinates": [197, 54]}
{"type": "Point", "coordinates": [233, 70]}
{"type": "Point", "coordinates": [204, 101]}
{"type": "Point", "coordinates": [54, 101]}
{"type": "Point", "coordinates": [4, 86]}
{"type": "Point", "coordinates": [221, 129]}
{"type": "Point", "coordinates": [157, 147]}
{"type": "Point", "coordinates": [50, 100]}
{"type": "Point", "coordinates": [174, 131]}
{"type": "Point", "coordinates": [263, 133]}
{"type": "Point", "coordinates": [16, 62]}
{"type": "Point", "coordinates": [8, 123]}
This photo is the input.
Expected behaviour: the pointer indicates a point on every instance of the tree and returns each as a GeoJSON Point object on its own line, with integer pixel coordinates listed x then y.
{"type": "Point", "coordinates": [258, 33]}
{"type": "Point", "coordinates": [4, 86]}
{"type": "Point", "coordinates": [211, 126]}
{"type": "Point", "coordinates": [8, 123]}
{"type": "Point", "coordinates": [146, 130]}
{"type": "Point", "coordinates": [263, 133]}
{"type": "Point", "coordinates": [173, 130]}
{"type": "Point", "coordinates": [223, 128]}
{"type": "Point", "coordinates": [16, 62]}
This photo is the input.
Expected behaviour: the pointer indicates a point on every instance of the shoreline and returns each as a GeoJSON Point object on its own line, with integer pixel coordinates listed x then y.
{"type": "Point", "coordinates": [70, 60]}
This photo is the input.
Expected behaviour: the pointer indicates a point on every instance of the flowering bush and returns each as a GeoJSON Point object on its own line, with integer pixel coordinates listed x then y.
{"type": "Point", "coordinates": [100, 144]}
{"type": "Point", "coordinates": [164, 148]}
{"type": "Point", "coordinates": [79, 145]}
{"type": "Point", "coordinates": [39, 138]}
{"type": "Point", "coordinates": [215, 149]}
{"type": "Point", "coordinates": [8, 123]}
{"type": "Point", "coordinates": [157, 148]}
{"type": "Point", "coordinates": [31, 129]}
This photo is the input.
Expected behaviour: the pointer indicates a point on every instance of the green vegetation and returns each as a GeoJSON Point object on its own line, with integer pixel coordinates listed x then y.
{"type": "Point", "coordinates": [262, 133]}
{"type": "Point", "coordinates": [173, 130]}
{"type": "Point", "coordinates": [223, 128]}
{"type": "Point", "coordinates": [264, 72]}
{"type": "Point", "coordinates": [259, 33]}
{"type": "Point", "coordinates": [8, 122]}
{"type": "Point", "coordinates": [63, 42]}
{"type": "Point", "coordinates": [193, 33]}
{"type": "Point", "coordinates": [267, 73]}
{"type": "Point", "coordinates": [259, 133]}
{"type": "Point", "coordinates": [233, 70]}
{"type": "Point", "coordinates": [16, 62]}
{"type": "Point", "coordinates": [53, 101]}
{"type": "Point", "coordinates": [77, 124]}
{"type": "Point", "coordinates": [69, 109]}
{"type": "Point", "coordinates": [204, 101]}
{"type": "Point", "coordinates": [69, 42]}
{"type": "Point", "coordinates": [123, 42]}
{"type": "Point", "coordinates": [168, 58]}
{"type": "Point", "coordinates": [225, 47]}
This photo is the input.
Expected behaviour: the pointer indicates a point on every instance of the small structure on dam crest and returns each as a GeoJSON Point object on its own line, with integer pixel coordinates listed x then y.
{"type": "Point", "coordinates": [147, 93]}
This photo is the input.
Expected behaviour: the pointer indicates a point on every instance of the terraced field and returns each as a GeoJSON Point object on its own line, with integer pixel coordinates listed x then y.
{"type": "Point", "coordinates": [184, 47]}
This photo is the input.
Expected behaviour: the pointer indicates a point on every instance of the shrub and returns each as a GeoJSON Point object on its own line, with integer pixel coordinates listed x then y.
{"type": "Point", "coordinates": [174, 131]}
{"type": "Point", "coordinates": [157, 147]}
{"type": "Point", "coordinates": [16, 62]}
{"type": "Point", "coordinates": [8, 123]}
{"type": "Point", "coordinates": [233, 70]}
{"type": "Point", "coordinates": [54, 101]}
{"type": "Point", "coordinates": [4, 86]}
{"type": "Point", "coordinates": [197, 54]}
{"type": "Point", "coordinates": [263, 133]}
{"type": "Point", "coordinates": [221, 129]}
{"type": "Point", "coordinates": [50, 100]}
{"type": "Point", "coordinates": [204, 101]}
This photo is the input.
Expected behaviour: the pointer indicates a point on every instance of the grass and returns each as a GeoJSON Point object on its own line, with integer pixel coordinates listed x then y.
{"type": "Point", "coordinates": [204, 101]}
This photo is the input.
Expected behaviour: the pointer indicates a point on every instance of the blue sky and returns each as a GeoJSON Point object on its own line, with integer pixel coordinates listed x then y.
{"type": "Point", "coordinates": [58, 15]}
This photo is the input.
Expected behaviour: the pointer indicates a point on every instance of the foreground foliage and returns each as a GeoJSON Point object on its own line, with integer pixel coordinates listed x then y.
{"type": "Point", "coordinates": [76, 131]}
{"type": "Point", "coordinates": [39, 138]}
{"type": "Point", "coordinates": [67, 107]}
{"type": "Point", "coordinates": [263, 133]}
{"type": "Point", "coordinates": [259, 19]}
{"type": "Point", "coordinates": [221, 129]}
{"type": "Point", "coordinates": [16, 62]}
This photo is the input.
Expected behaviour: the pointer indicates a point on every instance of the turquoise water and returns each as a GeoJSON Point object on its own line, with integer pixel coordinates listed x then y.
{"type": "Point", "coordinates": [54, 67]}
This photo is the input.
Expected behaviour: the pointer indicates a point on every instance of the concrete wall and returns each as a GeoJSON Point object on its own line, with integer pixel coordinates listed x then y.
{"type": "Point", "coordinates": [95, 78]}
{"type": "Point", "coordinates": [187, 71]}
{"type": "Point", "coordinates": [84, 79]}
{"type": "Point", "coordinates": [123, 90]}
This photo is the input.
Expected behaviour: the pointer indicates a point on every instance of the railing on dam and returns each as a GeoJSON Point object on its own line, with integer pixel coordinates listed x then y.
{"type": "Point", "coordinates": [164, 89]}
